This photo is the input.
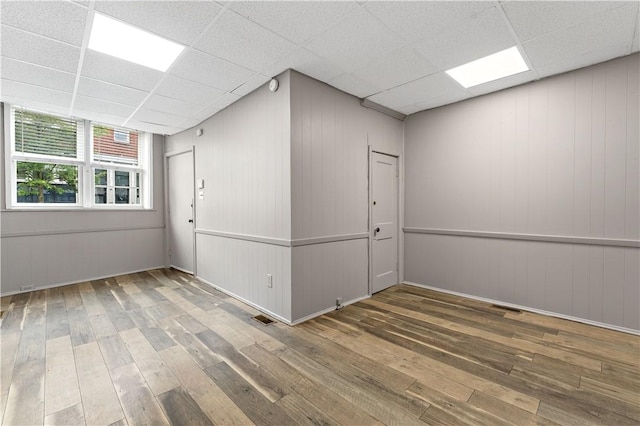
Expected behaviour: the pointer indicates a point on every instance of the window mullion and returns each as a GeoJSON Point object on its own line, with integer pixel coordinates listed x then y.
{"type": "Point", "coordinates": [88, 181]}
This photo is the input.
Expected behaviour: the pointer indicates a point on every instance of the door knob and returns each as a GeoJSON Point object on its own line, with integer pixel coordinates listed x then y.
{"type": "Point", "coordinates": [190, 220]}
{"type": "Point", "coordinates": [376, 230]}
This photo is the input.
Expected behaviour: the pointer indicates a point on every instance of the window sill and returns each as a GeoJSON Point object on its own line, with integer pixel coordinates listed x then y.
{"type": "Point", "coordinates": [75, 209]}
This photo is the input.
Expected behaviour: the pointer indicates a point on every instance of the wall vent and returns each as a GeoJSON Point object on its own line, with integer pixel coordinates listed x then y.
{"type": "Point", "coordinates": [263, 320]}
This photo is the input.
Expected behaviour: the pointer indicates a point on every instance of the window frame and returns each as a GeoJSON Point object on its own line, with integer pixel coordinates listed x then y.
{"type": "Point", "coordinates": [86, 163]}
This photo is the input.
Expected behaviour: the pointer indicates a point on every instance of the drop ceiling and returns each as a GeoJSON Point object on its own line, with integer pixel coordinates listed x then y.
{"type": "Point", "coordinates": [391, 53]}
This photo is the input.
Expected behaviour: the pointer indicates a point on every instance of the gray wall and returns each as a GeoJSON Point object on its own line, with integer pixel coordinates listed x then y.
{"type": "Point", "coordinates": [330, 134]}
{"type": "Point", "coordinates": [51, 248]}
{"type": "Point", "coordinates": [243, 224]}
{"type": "Point", "coordinates": [546, 167]}
{"type": "Point", "coordinates": [286, 194]}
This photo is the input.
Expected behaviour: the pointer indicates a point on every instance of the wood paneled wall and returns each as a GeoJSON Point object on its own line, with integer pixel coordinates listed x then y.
{"type": "Point", "coordinates": [51, 248]}
{"type": "Point", "coordinates": [243, 156]}
{"type": "Point", "coordinates": [557, 157]}
{"type": "Point", "coordinates": [286, 187]}
{"type": "Point", "coordinates": [241, 267]}
{"type": "Point", "coordinates": [330, 137]}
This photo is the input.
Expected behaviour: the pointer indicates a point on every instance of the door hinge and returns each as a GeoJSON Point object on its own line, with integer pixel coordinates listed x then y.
{"type": "Point", "coordinates": [398, 266]}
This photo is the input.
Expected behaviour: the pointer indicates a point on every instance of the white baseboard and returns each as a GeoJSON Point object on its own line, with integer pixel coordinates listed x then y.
{"type": "Point", "coordinates": [181, 270]}
{"type": "Point", "coordinates": [248, 302]}
{"type": "Point", "coordinates": [529, 309]}
{"type": "Point", "coordinates": [102, 277]}
{"type": "Point", "coordinates": [325, 311]}
{"type": "Point", "coordinates": [274, 315]}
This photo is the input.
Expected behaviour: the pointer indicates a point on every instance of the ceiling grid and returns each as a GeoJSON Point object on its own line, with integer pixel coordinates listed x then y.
{"type": "Point", "coordinates": [394, 53]}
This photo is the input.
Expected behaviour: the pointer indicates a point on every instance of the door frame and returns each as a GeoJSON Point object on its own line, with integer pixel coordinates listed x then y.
{"type": "Point", "coordinates": [370, 218]}
{"type": "Point", "coordinates": [167, 242]}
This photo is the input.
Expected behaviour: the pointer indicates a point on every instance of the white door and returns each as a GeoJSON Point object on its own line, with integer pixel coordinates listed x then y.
{"type": "Point", "coordinates": [180, 210]}
{"type": "Point", "coordinates": [384, 221]}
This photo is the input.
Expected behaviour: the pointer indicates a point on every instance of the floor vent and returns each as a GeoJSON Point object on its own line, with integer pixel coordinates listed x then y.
{"type": "Point", "coordinates": [262, 319]}
{"type": "Point", "coordinates": [506, 308]}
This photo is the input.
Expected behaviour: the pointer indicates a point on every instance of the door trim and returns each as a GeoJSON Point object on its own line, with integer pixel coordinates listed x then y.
{"type": "Point", "coordinates": [167, 155]}
{"type": "Point", "coordinates": [370, 218]}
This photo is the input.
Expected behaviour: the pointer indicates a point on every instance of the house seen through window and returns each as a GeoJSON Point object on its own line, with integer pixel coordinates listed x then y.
{"type": "Point", "coordinates": [63, 161]}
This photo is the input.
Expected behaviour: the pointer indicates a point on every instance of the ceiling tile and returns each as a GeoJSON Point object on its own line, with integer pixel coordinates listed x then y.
{"type": "Point", "coordinates": [171, 106]}
{"type": "Point", "coordinates": [250, 85]}
{"type": "Point", "coordinates": [296, 21]}
{"type": "Point", "coordinates": [37, 75]}
{"type": "Point", "coordinates": [38, 50]}
{"type": "Point", "coordinates": [16, 89]}
{"type": "Point", "coordinates": [205, 114]}
{"type": "Point", "coordinates": [600, 38]}
{"type": "Point", "coordinates": [395, 69]}
{"type": "Point", "coordinates": [224, 101]}
{"type": "Point", "coordinates": [355, 41]}
{"type": "Point", "coordinates": [422, 90]}
{"type": "Point", "coordinates": [110, 92]}
{"type": "Point", "coordinates": [36, 105]}
{"type": "Point", "coordinates": [307, 63]}
{"type": "Point", "coordinates": [205, 69]}
{"type": "Point", "coordinates": [531, 19]}
{"type": "Point", "coordinates": [409, 109]}
{"type": "Point", "coordinates": [573, 63]}
{"type": "Point", "coordinates": [44, 18]}
{"type": "Point", "coordinates": [215, 107]}
{"type": "Point", "coordinates": [415, 20]}
{"type": "Point", "coordinates": [443, 100]}
{"type": "Point", "coordinates": [102, 107]}
{"type": "Point", "coordinates": [158, 129]}
{"type": "Point", "coordinates": [157, 117]}
{"type": "Point", "coordinates": [117, 71]}
{"type": "Point", "coordinates": [503, 83]}
{"type": "Point", "coordinates": [99, 117]}
{"type": "Point", "coordinates": [238, 40]}
{"type": "Point", "coordinates": [181, 21]}
{"type": "Point", "coordinates": [471, 39]}
{"type": "Point", "coordinates": [188, 91]}
{"type": "Point", "coordinates": [191, 122]}
{"type": "Point", "coordinates": [354, 85]}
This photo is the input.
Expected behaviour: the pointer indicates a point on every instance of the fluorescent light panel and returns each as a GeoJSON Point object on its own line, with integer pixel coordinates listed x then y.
{"type": "Point", "coordinates": [493, 67]}
{"type": "Point", "coordinates": [132, 44]}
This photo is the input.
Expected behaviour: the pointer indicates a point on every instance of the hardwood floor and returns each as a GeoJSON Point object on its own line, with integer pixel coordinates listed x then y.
{"type": "Point", "coordinates": [160, 347]}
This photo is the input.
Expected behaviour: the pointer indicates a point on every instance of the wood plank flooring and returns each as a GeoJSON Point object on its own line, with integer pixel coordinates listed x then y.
{"type": "Point", "coordinates": [162, 348]}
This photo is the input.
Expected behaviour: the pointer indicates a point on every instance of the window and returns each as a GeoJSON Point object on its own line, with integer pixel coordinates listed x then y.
{"type": "Point", "coordinates": [116, 187]}
{"type": "Point", "coordinates": [59, 161]}
{"type": "Point", "coordinates": [120, 136]}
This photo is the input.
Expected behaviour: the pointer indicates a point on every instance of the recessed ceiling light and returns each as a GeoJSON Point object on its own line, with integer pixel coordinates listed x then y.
{"type": "Point", "coordinates": [132, 44]}
{"type": "Point", "coordinates": [498, 65]}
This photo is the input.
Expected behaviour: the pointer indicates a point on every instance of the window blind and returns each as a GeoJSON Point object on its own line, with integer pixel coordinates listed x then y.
{"type": "Point", "coordinates": [47, 135]}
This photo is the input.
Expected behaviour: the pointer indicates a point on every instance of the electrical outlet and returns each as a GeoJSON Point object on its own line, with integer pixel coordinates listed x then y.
{"type": "Point", "coordinates": [269, 280]}
{"type": "Point", "coordinates": [339, 303]}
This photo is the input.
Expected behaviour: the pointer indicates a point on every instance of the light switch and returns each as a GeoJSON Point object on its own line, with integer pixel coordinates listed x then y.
{"type": "Point", "coordinates": [200, 183]}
